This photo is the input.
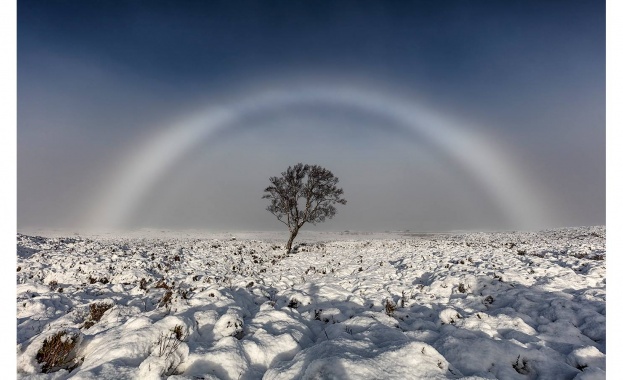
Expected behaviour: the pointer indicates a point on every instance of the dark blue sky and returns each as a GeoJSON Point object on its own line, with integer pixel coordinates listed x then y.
{"type": "Point", "coordinates": [472, 48]}
{"type": "Point", "coordinates": [94, 77]}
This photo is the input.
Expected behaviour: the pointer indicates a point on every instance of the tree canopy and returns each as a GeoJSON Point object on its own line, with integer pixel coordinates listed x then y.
{"type": "Point", "coordinates": [303, 194]}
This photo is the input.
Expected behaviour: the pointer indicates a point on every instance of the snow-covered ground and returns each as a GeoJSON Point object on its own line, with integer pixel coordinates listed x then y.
{"type": "Point", "coordinates": [343, 306]}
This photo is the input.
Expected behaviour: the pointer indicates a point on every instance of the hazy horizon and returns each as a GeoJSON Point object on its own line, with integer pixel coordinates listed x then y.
{"type": "Point", "coordinates": [434, 116]}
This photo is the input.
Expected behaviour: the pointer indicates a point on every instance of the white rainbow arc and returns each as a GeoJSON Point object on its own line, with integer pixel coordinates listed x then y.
{"type": "Point", "coordinates": [475, 153]}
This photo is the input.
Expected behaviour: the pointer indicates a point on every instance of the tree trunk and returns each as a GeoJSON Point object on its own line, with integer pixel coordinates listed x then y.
{"type": "Point", "coordinates": [293, 234]}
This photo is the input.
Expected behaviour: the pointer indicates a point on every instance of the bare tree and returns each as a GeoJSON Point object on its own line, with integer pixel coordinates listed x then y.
{"type": "Point", "coordinates": [303, 193]}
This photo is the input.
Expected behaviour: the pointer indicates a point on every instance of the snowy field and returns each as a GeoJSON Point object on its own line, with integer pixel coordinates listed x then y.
{"type": "Point", "coordinates": [152, 305]}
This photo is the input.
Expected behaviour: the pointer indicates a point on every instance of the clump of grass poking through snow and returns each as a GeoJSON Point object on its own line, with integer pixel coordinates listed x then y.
{"type": "Point", "coordinates": [521, 368]}
{"type": "Point", "coordinates": [462, 288]}
{"type": "Point", "coordinates": [178, 331]}
{"type": "Point", "coordinates": [169, 342]}
{"type": "Point", "coordinates": [390, 307]}
{"type": "Point", "coordinates": [96, 310]}
{"type": "Point", "coordinates": [162, 284]}
{"type": "Point", "coordinates": [56, 352]}
{"type": "Point", "coordinates": [294, 303]}
{"type": "Point", "coordinates": [166, 299]}
{"type": "Point", "coordinates": [317, 313]}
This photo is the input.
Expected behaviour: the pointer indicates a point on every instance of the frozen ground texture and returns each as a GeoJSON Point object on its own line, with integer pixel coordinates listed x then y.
{"type": "Point", "coordinates": [474, 305]}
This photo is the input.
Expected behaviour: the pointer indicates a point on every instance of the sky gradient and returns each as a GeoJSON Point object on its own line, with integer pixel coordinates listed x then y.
{"type": "Point", "coordinates": [99, 82]}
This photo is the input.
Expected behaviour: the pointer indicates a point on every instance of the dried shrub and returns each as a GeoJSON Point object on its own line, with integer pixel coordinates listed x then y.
{"type": "Point", "coordinates": [96, 311]}
{"type": "Point", "coordinates": [390, 307]}
{"type": "Point", "coordinates": [143, 284]}
{"type": "Point", "coordinates": [317, 313]}
{"type": "Point", "coordinates": [169, 342]}
{"type": "Point", "coordinates": [403, 299]}
{"type": "Point", "coordinates": [581, 367]}
{"type": "Point", "coordinates": [462, 288]}
{"type": "Point", "coordinates": [166, 299]}
{"type": "Point", "coordinates": [294, 303]}
{"type": "Point", "coordinates": [179, 333]}
{"type": "Point", "coordinates": [521, 368]}
{"type": "Point", "coordinates": [93, 280]}
{"type": "Point", "coordinates": [53, 285]}
{"type": "Point", "coordinates": [184, 293]}
{"type": "Point", "coordinates": [88, 324]}
{"type": "Point", "coordinates": [57, 352]}
{"type": "Point", "coordinates": [162, 284]}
